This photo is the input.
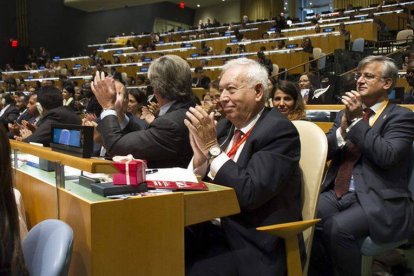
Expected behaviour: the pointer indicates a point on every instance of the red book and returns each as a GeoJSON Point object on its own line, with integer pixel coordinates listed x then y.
{"type": "Point", "coordinates": [176, 185]}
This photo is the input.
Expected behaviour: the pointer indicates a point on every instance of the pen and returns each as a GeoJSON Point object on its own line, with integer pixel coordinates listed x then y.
{"type": "Point", "coordinates": [151, 171]}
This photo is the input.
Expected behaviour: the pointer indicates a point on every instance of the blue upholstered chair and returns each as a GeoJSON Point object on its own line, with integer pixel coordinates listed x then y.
{"type": "Point", "coordinates": [370, 249]}
{"type": "Point", "coordinates": [47, 248]}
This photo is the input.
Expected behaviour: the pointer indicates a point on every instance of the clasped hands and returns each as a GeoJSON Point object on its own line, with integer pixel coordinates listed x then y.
{"type": "Point", "coordinates": [353, 109]}
{"type": "Point", "coordinates": [109, 93]}
{"type": "Point", "coordinates": [202, 130]}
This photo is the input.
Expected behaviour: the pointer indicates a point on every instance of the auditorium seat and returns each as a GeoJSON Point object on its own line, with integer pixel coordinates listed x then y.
{"type": "Point", "coordinates": [314, 148]}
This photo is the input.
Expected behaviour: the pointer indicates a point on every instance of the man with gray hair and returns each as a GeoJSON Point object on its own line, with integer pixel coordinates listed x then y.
{"type": "Point", "coordinates": [255, 151]}
{"type": "Point", "coordinates": [365, 192]}
{"type": "Point", "coordinates": [165, 142]}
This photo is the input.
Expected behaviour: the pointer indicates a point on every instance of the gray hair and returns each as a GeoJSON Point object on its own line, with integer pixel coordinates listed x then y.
{"type": "Point", "coordinates": [170, 76]}
{"type": "Point", "coordinates": [389, 69]}
{"type": "Point", "coordinates": [254, 72]}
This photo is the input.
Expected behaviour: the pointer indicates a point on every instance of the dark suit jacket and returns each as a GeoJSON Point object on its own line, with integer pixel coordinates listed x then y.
{"type": "Point", "coordinates": [204, 82]}
{"type": "Point", "coordinates": [62, 114]}
{"type": "Point", "coordinates": [9, 116]}
{"type": "Point", "coordinates": [267, 182]}
{"type": "Point", "coordinates": [409, 96]}
{"type": "Point", "coordinates": [25, 115]}
{"type": "Point", "coordinates": [164, 143]}
{"type": "Point", "coordinates": [381, 174]}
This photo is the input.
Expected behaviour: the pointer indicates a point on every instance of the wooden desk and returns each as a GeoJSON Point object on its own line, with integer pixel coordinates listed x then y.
{"type": "Point", "coordinates": [367, 30]}
{"type": "Point", "coordinates": [328, 42]}
{"type": "Point", "coordinates": [136, 236]}
{"type": "Point", "coordinates": [73, 61]}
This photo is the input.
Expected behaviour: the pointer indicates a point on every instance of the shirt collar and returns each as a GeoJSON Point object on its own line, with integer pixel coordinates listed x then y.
{"type": "Point", "coordinates": [165, 107]}
{"type": "Point", "coordinates": [251, 124]}
{"type": "Point", "coordinates": [376, 107]}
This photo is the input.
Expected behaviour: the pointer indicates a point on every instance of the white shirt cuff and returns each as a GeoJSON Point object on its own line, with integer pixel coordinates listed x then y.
{"type": "Point", "coordinates": [108, 112]}
{"type": "Point", "coordinates": [353, 123]}
{"type": "Point", "coordinates": [217, 163]}
{"type": "Point", "coordinates": [340, 141]}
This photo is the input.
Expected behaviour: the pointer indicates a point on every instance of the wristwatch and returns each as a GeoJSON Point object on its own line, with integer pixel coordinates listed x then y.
{"type": "Point", "coordinates": [213, 152]}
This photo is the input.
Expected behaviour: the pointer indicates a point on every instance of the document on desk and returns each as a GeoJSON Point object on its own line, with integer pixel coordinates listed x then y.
{"type": "Point", "coordinates": [174, 179]}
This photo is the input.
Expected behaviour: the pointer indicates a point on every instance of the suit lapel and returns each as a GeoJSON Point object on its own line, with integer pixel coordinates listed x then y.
{"type": "Point", "coordinates": [380, 121]}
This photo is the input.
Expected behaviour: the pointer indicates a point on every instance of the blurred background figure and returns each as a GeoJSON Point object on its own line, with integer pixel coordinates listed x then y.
{"type": "Point", "coordinates": [287, 99]}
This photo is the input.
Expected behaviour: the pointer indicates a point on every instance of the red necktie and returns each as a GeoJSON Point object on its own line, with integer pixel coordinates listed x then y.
{"type": "Point", "coordinates": [236, 139]}
{"type": "Point", "coordinates": [350, 157]}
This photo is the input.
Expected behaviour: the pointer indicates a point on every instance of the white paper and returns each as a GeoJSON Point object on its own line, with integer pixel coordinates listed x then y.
{"type": "Point", "coordinates": [171, 174]}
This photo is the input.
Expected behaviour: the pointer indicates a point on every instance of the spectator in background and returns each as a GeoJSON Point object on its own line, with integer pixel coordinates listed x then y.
{"type": "Point", "coordinates": [90, 103]}
{"type": "Point", "coordinates": [27, 119]}
{"type": "Point", "coordinates": [241, 49]}
{"type": "Point", "coordinates": [267, 63]}
{"type": "Point", "coordinates": [280, 22]}
{"type": "Point", "coordinates": [265, 35]}
{"type": "Point", "coordinates": [21, 103]}
{"type": "Point", "coordinates": [345, 33]}
{"type": "Point", "coordinates": [281, 44]}
{"type": "Point", "coordinates": [11, 84]}
{"type": "Point", "coordinates": [287, 99]}
{"type": "Point", "coordinates": [308, 83]}
{"type": "Point", "coordinates": [200, 79]}
{"type": "Point", "coordinates": [67, 92]}
{"type": "Point", "coordinates": [136, 101]}
{"type": "Point", "coordinates": [307, 45]}
{"type": "Point", "coordinates": [51, 102]}
{"type": "Point", "coordinates": [239, 36]}
{"type": "Point", "coordinates": [227, 51]}
{"type": "Point", "coordinates": [211, 101]}
{"type": "Point", "coordinates": [317, 28]}
{"type": "Point", "coordinates": [409, 76]}
{"type": "Point", "coordinates": [245, 20]}
{"type": "Point", "coordinates": [11, 255]}
{"type": "Point", "coordinates": [8, 110]}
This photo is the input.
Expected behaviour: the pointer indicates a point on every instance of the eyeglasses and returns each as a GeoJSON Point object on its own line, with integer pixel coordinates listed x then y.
{"type": "Point", "coordinates": [366, 76]}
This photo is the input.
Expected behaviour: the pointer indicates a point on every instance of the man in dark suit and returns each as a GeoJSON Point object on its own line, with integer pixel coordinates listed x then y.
{"type": "Point", "coordinates": [256, 152]}
{"type": "Point", "coordinates": [409, 76]}
{"type": "Point", "coordinates": [165, 142]}
{"type": "Point", "coordinates": [8, 110]}
{"type": "Point", "coordinates": [51, 101]}
{"type": "Point", "coordinates": [365, 191]}
{"type": "Point", "coordinates": [201, 80]}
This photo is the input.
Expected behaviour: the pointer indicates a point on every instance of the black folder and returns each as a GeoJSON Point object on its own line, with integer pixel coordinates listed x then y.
{"type": "Point", "coordinates": [109, 189]}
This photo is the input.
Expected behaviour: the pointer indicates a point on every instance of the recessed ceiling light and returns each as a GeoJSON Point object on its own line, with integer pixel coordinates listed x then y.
{"type": "Point", "coordinates": [198, 5]}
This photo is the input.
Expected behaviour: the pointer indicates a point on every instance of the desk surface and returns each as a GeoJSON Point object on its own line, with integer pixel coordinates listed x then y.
{"type": "Point", "coordinates": [109, 233]}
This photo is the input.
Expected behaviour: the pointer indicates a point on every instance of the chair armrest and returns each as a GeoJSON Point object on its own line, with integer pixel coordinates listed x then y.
{"type": "Point", "coordinates": [286, 230]}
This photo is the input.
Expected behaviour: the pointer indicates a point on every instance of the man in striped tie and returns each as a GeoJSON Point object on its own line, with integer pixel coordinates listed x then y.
{"type": "Point", "coordinates": [365, 192]}
{"type": "Point", "coordinates": [255, 150]}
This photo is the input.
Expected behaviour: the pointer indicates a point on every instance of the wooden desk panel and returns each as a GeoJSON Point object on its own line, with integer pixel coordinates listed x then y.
{"type": "Point", "coordinates": [137, 236]}
{"type": "Point", "coordinates": [366, 30]}
{"type": "Point", "coordinates": [327, 43]}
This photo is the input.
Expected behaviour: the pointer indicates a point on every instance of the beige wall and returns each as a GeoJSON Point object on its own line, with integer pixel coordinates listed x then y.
{"type": "Point", "coordinates": [224, 13]}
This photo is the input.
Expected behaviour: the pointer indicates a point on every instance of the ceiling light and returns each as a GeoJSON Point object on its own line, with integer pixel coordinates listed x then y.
{"type": "Point", "coordinates": [198, 5]}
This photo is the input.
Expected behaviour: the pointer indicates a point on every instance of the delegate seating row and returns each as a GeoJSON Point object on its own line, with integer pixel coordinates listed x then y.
{"type": "Point", "coordinates": [393, 16]}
